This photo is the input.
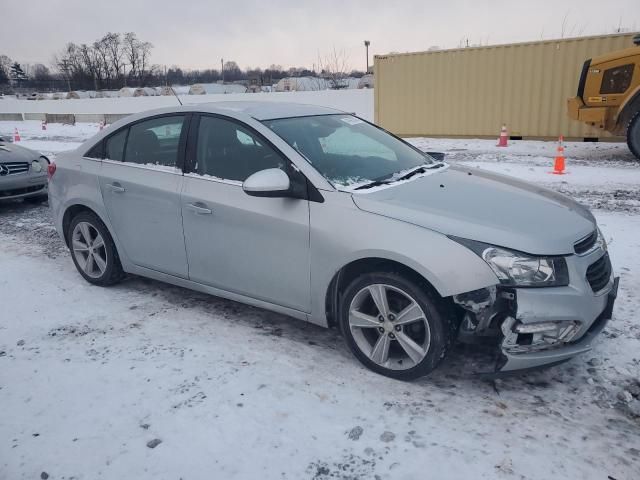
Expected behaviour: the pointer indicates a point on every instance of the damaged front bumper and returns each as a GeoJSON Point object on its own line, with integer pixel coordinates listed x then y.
{"type": "Point", "coordinates": [536, 327]}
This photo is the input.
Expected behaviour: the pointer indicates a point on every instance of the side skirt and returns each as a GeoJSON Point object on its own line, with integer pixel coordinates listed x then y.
{"type": "Point", "coordinates": [181, 282]}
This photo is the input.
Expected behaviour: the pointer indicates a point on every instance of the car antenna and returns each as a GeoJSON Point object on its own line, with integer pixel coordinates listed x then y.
{"type": "Point", "coordinates": [176, 95]}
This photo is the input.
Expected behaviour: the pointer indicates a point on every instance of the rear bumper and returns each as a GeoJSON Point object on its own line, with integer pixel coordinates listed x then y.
{"type": "Point", "coordinates": [528, 360]}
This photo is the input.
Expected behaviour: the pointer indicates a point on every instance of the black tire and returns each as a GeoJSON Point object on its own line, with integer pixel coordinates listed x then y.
{"type": "Point", "coordinates": [37, 199]}
{"type": "Point", "coordinates": [633, 135]}
{"type": "Point", "coordinates": [113, 272]}
{"type": "Point", "coordinates": [440, 317]}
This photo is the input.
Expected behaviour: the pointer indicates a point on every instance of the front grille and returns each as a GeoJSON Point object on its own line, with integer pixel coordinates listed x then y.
{"type": "Point", "coordinates": [598, 273]}
{"type": "Point", "coordinates": [586, 243]}
{"type": "Point", "coordinates": [11, 168]}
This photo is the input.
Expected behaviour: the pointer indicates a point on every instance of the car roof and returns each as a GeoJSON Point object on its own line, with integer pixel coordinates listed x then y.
{"type": "Point", "coordinates": [258, 110]}
{"type": "Point", "coordinates": [267, 110]}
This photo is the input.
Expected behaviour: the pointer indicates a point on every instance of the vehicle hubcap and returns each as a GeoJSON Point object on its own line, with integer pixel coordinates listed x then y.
{"type": "Point", "coordinates": [389, 326]}
{"type": "Point", "coordinates": [89, 249]}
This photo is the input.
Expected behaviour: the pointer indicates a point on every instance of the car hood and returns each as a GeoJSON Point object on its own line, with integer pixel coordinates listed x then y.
{"type": "Point", "coordinates": [10, 152]}
{"type": "Point", "coordinates": [487, 207]}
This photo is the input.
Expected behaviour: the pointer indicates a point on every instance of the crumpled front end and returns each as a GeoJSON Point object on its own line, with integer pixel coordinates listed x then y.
{"type": "Point", "coordinates": [535, 327]}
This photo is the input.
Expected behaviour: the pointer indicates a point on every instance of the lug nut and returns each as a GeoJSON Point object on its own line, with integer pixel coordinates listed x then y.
{"type": "Point", "coordinates": [392, 336]}
{"type": "Point", "coordinates": [398, 328]}
{"type": "Point", "coordinates": [381, 318]}
{"type": "Point", "coordinates": [392, 317]}
{"type": "Point", "coordinates": [381, 330]}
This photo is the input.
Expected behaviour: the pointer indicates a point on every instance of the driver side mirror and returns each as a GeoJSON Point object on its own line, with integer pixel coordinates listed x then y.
{"type": "Point", "coordinates": [271, 182]}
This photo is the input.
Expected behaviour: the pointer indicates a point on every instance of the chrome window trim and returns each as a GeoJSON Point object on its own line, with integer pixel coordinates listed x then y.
{"type": "Point", "coordinates": [143, 167]}
{"type": "Point", "coordinates": [236, 183]}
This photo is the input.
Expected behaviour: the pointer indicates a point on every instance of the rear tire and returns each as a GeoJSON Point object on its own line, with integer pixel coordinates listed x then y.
{"type": "Point", "coordinates": [93, 250]}
{"type": "Point", "coordinates": [633, 135]}
{"type": "Point", "coordinates": [407, 341]}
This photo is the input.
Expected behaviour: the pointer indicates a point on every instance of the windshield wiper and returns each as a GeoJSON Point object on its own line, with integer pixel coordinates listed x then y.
{"type": "Point", "coordinates": [375, 183]}
{"type": "Point", "coordinates": [418, 169]}
{"type": "Point", "coordinates": [414, 171]}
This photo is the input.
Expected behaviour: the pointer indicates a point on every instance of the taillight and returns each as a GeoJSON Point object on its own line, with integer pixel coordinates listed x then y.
{"type": "Point", "coordinates": [51, 169]}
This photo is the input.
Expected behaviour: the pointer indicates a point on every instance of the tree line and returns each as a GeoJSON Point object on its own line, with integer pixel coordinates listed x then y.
{"type": "Point", "coordinates": [122, 59]}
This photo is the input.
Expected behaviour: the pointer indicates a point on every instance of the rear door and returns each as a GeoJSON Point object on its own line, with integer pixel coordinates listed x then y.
{"type": "Point", "coordinates": [140, 180]}
{"type": "Point", "coordinates": [254, 246]}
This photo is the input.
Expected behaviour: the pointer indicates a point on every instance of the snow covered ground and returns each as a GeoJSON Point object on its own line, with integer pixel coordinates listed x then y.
{"type": "Point", "coordinates": [89, 376]}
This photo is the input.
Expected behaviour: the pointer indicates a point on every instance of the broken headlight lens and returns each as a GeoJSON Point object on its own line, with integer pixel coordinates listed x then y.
{"type": "Point", "coordinates": [519, 269]}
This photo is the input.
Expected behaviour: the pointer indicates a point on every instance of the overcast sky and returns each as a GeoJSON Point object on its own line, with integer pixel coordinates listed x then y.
{"type": "Point", "coordinates": [197, 33]}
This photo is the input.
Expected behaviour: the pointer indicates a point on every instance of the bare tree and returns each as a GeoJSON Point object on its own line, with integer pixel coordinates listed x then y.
{"type": "Point", "coordinates": [334, 67]}
{"type": "Point", "coordinates": [115, 51]}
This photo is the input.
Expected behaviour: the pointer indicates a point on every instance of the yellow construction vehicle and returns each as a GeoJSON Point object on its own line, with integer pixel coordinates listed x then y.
{"type": "Point", "coordinates": [609, 94]}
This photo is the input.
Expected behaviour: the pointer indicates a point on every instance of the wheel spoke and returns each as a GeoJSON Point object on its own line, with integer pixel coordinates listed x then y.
{"type": "Point", "coordinates": [86, 234]}
{"type": "Point", "coordinates": [79, 246]}
{"type": "Point", "coordinates": [99, 261]}
{"type": "Point", "coordinates": [362, 320]}
{"type": "Point", "coordinates": [379, 295]}
{"type": "Point", "coordinates": [88, 267]}
{"type": "Point", "coordinates": [415, 351]}
{"type": "Point", "coordinates": [82, 260]}
{"type": "Point", "coordinates": [380, 351]}
{"type": "Point", "coordinates": [410, 314]}
{"type": "Point", "coordinates": [98, 242]}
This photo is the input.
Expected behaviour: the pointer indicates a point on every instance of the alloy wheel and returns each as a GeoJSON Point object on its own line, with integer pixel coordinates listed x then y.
{"type": "Point", "coordinates": [89, 249]}
{"type": "Point", "coordinates": [389, 326]}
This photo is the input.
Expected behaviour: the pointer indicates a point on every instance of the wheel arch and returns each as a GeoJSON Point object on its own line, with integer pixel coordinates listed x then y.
{"type": "Point", "coordinates": [627, 110]}
{"type": "Point", "coordinates": [74, 209]}
{"type": "Point", "coordinates": [345, 275]}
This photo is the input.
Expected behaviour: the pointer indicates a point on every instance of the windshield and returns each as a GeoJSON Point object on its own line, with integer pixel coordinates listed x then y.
{"type": "Point", "coordinates": [346, 150]}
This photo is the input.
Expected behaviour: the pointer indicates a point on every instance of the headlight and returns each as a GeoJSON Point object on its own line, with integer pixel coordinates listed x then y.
{"type": "Point", "coordinates": [601, 242]}
{"type": "Point", "coordinates": [40, 165]}
{"type": "Point", "coordinates": [520, 269]}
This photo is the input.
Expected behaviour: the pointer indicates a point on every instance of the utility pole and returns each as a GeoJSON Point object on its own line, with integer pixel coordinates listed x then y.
{"type": "Point", "coordinates": [222, 68]}
{"type": "Point", "coordinates": [366, 46]}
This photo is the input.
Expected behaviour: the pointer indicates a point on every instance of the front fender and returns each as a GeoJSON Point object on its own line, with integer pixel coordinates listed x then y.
{"type": "Point", "coordinates": [448, 266]}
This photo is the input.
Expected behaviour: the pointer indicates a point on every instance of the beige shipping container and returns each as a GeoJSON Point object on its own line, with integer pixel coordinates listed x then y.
{"type": "Point", "coordinates": [471, 92]}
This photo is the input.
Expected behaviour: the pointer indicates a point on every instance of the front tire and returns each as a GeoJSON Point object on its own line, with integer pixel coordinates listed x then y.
{"type": "Point", "coordinates": [93, 250]}
{"type": "Point", "coordinates": [633, 135]}
{"type": "Point", "coordinates": [395, 326]}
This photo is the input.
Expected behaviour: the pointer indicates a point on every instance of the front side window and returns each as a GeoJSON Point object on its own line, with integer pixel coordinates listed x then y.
{"type": "Point", "coordinates": [617, 79]}
{"type": "Point", "coordinates": [346, 150]}
{"type": "Point", "coordinates": [155, 141]}
{"type": "Point", "coordinates": [229, 151]}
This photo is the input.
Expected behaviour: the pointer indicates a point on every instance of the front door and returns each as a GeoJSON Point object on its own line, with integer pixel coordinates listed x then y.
{"type": "Point", "coordinates": [140, 181]}
{"type": "Point", "coordinates": [253, 246]}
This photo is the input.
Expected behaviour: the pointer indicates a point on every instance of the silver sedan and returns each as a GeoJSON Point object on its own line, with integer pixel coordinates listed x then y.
{"type": "Point", "coordinates": [23, 173]}
{"type": "Point", "coordinates": [320, 215]}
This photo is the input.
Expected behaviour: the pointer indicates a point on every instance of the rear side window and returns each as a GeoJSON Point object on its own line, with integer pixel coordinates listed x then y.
{"type": "Point", "coordinates": [114, 146]}
{"type": "Point", "coordinates": [617, 79]}
{"type": "Point", "coordinates": [95, 152]}
{"type": "Point", "coordinates": [155, 141]}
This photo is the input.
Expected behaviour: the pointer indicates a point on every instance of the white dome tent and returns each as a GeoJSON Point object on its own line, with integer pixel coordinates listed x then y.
{"type": "Point", "coordinates": [216, 88]}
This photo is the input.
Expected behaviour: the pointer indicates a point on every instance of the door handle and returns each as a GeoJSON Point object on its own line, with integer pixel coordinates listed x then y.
{"type": "Point", "coordinates": [199, 209]}
{"type": "Point", "coordinates": [115, 187]}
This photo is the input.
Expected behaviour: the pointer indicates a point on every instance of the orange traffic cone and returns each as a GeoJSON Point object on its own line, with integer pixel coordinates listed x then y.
{"type": "Point", "coordinates": [44, 124]}
{"type": "Point", "coordinates": [16, 135]}
{"type": "Point", "coordinates": [504, 136]}
{"type": "Point", "coordinates": [558, 164]}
